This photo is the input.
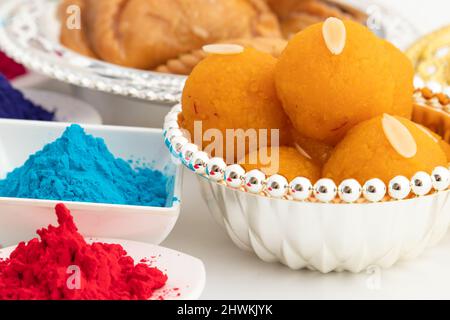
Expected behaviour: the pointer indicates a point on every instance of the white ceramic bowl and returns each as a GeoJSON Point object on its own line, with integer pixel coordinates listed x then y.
{"type": "Point", "coordinates": [335, 236]}
{"type": "Point", "coordinates": [328, 237]}
{"type": "Point", "coordinates": [20, 218]}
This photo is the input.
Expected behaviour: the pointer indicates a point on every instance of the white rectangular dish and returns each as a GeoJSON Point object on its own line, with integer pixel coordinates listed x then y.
{"type": "Point", "coordinates": [20, 218]}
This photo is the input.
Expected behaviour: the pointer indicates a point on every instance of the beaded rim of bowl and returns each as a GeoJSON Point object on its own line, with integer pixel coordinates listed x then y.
{"type": "Point", "coordinates": [301, 189]}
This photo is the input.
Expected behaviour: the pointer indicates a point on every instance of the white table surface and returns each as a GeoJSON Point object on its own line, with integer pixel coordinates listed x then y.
{"type": "Point", "coordinates": [234, 274]}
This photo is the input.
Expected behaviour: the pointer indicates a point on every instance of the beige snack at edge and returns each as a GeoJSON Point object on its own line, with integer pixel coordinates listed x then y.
{"type": "Point", "coordinates": [296, 15]}
{"type": "Point", "coordinates": [431, 56]}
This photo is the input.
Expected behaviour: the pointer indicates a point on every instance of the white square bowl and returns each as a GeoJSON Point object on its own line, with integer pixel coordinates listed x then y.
{"type": "Point", "coordinates": [20, 218]}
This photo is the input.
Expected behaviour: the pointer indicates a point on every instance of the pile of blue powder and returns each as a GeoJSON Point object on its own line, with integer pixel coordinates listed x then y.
{"type": "Point", "coordinates": [79, 167]}
{"type": "Point", "coordinates": [13, 105]}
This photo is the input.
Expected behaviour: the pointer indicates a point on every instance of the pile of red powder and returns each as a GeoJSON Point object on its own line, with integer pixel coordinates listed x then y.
{"type": "Point", "coordinates": [62, 266]}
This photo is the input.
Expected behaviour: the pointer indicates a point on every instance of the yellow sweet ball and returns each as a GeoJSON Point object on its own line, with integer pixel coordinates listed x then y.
{"type": "Point", "coordinates": [316, 150]}
{"type": "Point", "coordinates": [446, 148]}
{"type": "Point", "coordinates": [335, 74]}
{"type": "Point", "coordinates": [286, 161]}
{"type": "Point", "coordinates": [403, 72]}
{"type": "Point", "coordinates": [438, 139]}
{"type": "Point", "coordinates": [234, 91]}
{"type": "Point", "coordinates": [384, 147]}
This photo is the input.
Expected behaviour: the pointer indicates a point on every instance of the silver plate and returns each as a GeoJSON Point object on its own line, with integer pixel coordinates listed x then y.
{"type": "Point", "coordinates": [29, 33]}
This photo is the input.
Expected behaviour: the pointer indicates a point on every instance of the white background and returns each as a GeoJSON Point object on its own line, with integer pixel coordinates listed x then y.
{"type": "Point", "coordinates": [425, 15]}
{"type": "Point", "coordinates": [234, 274]}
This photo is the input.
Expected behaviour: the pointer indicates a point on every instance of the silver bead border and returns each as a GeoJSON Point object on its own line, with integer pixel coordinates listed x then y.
{"type": "Point", "coordinates": [323, 191]}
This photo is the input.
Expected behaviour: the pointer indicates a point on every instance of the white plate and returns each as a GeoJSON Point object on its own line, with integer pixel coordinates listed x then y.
{"type": "Point", "coordinates": [19, 218]}
{"type": "Point", "coordinates": [186, 274]}
{"type": "Point", "coordinates": [66, 108]}
{"type": "Point", "coordinates": [29, 80]}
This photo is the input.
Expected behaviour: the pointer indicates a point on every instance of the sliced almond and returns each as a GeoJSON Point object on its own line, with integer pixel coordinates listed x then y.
{"type": "Point", "coordinates": [199, 31]}
{"type": "Point", "coordinates": [302, 151]}
{"type": "Point", "coordinates": [224, 49]}
{"type": "Point", "coordinates": [335, 35]}
{"type": "Point", "coordinates": [399, 136]}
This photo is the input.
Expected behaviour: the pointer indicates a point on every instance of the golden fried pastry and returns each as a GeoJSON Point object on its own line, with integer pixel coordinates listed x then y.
{"type": "Point", "coordinates": [234, 91]}
{"type": "Point", "coordinates": [286, 161]}
{"type": "Point", "coordinates": [184, 63]}
{"type": "Point", "coordinates": [336, 74]}
{"type": "Point", "coordinates": [289, 27]}
{"type": "Point", "coordinates": [146, 33]}
{"type": "Point", "coordinates": [296, 15]}
{"type": "Point", "coordinates": [431, 56]}
{"type": "Point", "coordinates": [72, 37]}
{"type": "Point", "coordinates": [384, 147]}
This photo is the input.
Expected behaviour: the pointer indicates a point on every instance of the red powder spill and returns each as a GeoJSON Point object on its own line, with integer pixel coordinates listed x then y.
{"type": "Point", "coordinates": [62, 266]}
{"type": "Point", "coordinates": [10, 68]}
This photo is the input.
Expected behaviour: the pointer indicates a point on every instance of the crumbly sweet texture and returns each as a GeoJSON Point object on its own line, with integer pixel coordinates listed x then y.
{"type": "Point", "coordinates": [366, 153]}
{"type": "Point", "coordinates": [318, 151]}
{"type": "Point", "coordinates": [337, 106]}
{"type": "Point", "coordinates": [185, 63]}
{"type": "Point", "coordinates": [146, 33]}
{"type": "Point", "coordinates": [286, 161]}
{"type": "Point", "coordinates": [329, 94]}
{"type": "Point", "coordinates": [445, 146]}
{"type": "Point", "coordinates": [234, 92]}
{"type": "Point", "coordinates": [403, 73]}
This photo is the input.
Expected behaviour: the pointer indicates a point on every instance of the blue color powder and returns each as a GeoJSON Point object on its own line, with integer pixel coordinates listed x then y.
{"type": "Point", "coordinates": [13, 105]}
{"type": "Point", "coordinates": [79, 167]}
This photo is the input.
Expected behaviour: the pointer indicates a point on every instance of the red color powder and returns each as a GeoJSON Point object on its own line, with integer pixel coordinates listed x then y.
{"type": "Point", "coordinates": [10, 68]}
{"type": "Point", "coordinates": [62, 266]}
